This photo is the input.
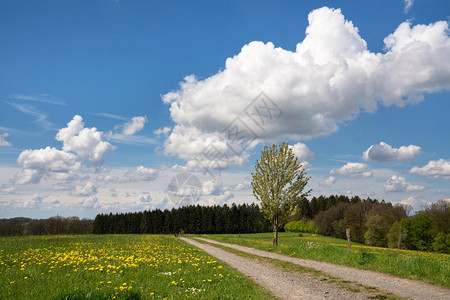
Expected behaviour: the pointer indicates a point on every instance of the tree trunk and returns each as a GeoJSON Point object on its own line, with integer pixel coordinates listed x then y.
{"type": "Point", "coordinates": [349, 242]}
{"type": "Point", "coordinates": [275, 232]}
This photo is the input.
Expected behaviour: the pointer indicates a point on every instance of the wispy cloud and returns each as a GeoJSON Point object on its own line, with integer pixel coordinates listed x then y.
{"type": "Point", "coordinates": [41, 117]}
{"type": "Point", "coordinates": [43, 98]}
{"type": "Point", "coordinates": [111, 116]}
{"type": "Point", "coordinates": [3, 141]}
{"type": "Point", "coordinates": [408, 5]}
{"type": "Point", "coordinates": [130, 139]}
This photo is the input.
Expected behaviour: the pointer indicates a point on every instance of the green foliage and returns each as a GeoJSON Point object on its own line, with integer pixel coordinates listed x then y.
{"type": "Point", "coordinates": [417, 232]}
{"type": "Point", "coordinates": [365, 256]}
{"type": "Point", "coordinates": [242, 218]}
{"type": "Point", "coordinates": [301, 226]}
{"type": "Point", "coordinates": [441, 243]}
{"type": "Point", "coordinates": [375, 234]}
{"type": "Point", "coordinates": [396, 236]}
{"type": "Point", "coordinates": [278, 183]}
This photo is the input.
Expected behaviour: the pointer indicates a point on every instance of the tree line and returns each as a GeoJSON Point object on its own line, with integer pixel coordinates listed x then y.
{"type": "Point", "coordinates": [242, 218]}
{"type": "Point", "coordinates": [53, 225]}
{"type": "Point", "coordinates": [378, 223]}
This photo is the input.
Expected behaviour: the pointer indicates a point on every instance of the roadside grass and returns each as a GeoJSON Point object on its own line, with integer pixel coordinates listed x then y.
{"type": "Point", "coordinates": [426, 266]}
{"type": "Point", "coordinates": [116, 267]}
{"type": "Point", "coordinates": [322, 276]}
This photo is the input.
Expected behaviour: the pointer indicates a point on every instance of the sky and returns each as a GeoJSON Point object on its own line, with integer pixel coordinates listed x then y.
{"type": "Point", "coordinates": [123, 106]}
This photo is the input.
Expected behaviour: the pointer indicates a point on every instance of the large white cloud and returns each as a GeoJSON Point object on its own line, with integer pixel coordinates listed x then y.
{"type": "Point", "coordinates": [329, 78]}
{"type": "Point", "coordinates": [87, 143]}
{"type": "Point", "coordinates": [40, 163]}
{"type": "Point", "coordinates": [434, 169]}
{"type": "Point", "coordinates": [385, 153]}
{"type": "Point", "coordinates": [48, 159]}
{"type": "Point", "coordinates": [399, 184]}
{"type": "Point", "coordinates": [353, 170]}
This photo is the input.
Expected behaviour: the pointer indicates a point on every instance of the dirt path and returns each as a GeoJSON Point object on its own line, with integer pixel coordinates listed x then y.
{"type": "Point", "coordinates": [283, 284]}
{"type": "Point", "coordinates": [287, 285]}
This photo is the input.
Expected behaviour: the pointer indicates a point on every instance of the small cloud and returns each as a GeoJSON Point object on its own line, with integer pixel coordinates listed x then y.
{"type": "Point", "coordinates": [353, 170]}
{"type": "Point", "coordinates": [415, 202]}
{"type": "Point", "coordinates": [134, 125]}
{"type": "Point", "coordinates": [164, 131]}
{"type": "Point", "coordinates": [89, 189]}
{"type": "Point", "coordinates": [434, 169]}
{"type": "Point", "coordinates": [8, 190]}
{"type": "Point", "coordinates": [88, 143]}
{"type": "Point", "coordinates": [328, 182]}
{"type": "Point", "coordinates": [301, 151]}
{"type": "Point", "coordinates": [35, 202]}
{"type": "Point", "coordinates": [385, 153]}
{"type": "Point", "coordinates": [91, 202]}
{"type": "Point", "coordinates": [399, 184]}
{"type": "Point", "coordinates": [408, 5]}
{"type": "Point", "coordinates": [141, 173]}
{"type": "Point", "coordinates": [3, 142]}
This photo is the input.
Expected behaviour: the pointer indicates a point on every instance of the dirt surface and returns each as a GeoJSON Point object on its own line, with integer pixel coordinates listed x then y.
{"type": "Point", "coordinates": [301, 285]}
{"type": "Point", "coordinates": [284, 284]}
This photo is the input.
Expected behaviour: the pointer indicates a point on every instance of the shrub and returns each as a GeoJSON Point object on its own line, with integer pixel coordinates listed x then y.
{"type": "Point", "coordinates": [300, 226]}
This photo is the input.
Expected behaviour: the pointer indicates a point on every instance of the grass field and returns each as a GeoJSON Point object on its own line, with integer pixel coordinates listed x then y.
{"type": "Point", "coordinates": [426, 266]}
{"type": "Point", "coordinates": [115, 267]}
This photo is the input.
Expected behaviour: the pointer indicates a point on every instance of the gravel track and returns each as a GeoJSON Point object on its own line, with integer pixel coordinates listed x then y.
{"type": "Point", "coordinates": [282, 284]}
{"type": "Point", "coordinates": [297, 285]}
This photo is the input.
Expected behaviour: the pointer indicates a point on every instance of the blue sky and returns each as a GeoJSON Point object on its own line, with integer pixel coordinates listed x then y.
{"type": "Point", "coordinates": [103, 104]}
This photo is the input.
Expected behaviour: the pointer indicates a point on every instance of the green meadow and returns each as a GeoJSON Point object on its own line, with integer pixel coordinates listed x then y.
{"type": "Point", "coordinates": [115, 267]}
{"type": "Point", "coordinates": [426, 266]}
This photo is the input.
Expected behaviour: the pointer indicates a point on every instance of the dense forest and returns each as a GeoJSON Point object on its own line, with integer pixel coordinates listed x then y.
{"type": "Point", "coordinates": [377, 223]}
{"type": "Point", "coordinates": [370, 221]}
{"type": "Point", "coordinates": [53, 225]}
{"type": "Point", "coordinates": [245, 218]}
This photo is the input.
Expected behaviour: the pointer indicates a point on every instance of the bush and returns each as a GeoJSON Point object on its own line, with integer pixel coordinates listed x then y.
{"type": "Point", "coordinates": [442, 243]}
{"type": "Point", "coordinates": [300, 226]}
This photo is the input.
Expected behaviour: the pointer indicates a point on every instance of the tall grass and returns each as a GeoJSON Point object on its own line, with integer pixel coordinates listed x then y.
{"type": "Point", "coordinates": [115, 267]}
{"type": "Point", "coordinates": [426, 266]}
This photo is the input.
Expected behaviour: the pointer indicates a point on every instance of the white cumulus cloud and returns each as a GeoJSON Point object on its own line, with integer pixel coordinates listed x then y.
{"type": "Point", "coordinates": [134, 125]}
{"type": "Point", "coordinates": [164, 131]}
{"type": "Point", "coordinates": [385, 153]}
{"type": "Point", "coordinates": [399, 184]}
{"type": "Point", "coordinates": [48, 159]}
{"type": "Point", "coordinates": [40, 163]}
{"type": "Point", "coordinates": [434, 169]}
{"type": "Point", "coordinates": [141, 173]}
{"type": "Point", "coordinates": [353, 170]}
{"type": "Point", "coordinates": [330, 77]}
{"type": "Point", "coordinates": [301, 151]}
{"type": "Point", "coordinates": [87, 143]}
{"type": "Point", "coordinates": [89, 189]}
{"type": "Point", "coordinates": [328, 182]}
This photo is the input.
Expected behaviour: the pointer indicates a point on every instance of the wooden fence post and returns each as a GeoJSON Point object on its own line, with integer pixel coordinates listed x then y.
{"type": "Point", "coordinates": [349, 242]}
